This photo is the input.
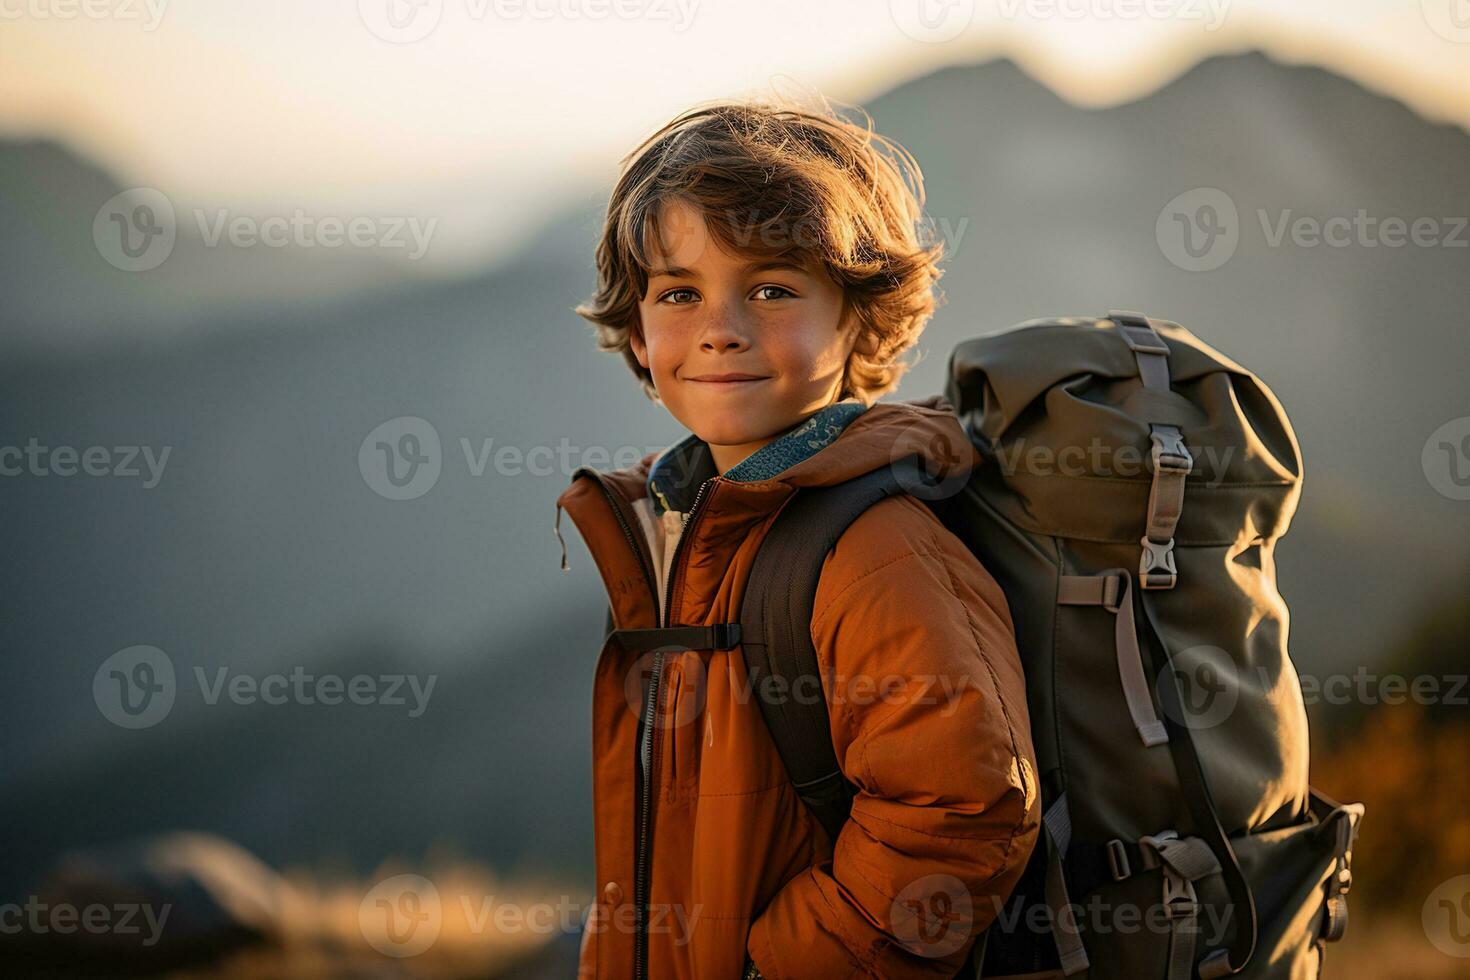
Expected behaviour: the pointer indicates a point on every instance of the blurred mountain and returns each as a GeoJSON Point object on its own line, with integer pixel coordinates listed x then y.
{"type": "Point", "coordinates": [263, 547]}
{"type": "Point", "coordinates": [62, 292]}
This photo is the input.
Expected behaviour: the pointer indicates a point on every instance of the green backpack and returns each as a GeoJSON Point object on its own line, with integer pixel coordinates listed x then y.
{"type": "Point", "coordinates": [1133, 485]}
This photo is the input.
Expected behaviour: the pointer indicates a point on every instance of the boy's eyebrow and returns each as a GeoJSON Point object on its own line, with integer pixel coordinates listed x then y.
{"type": "Point", "coordinates": [766, 265]}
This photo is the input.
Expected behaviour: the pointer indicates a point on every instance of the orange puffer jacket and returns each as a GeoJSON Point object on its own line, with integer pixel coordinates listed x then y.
{"type": "Point", "coordinates": [928, 717]}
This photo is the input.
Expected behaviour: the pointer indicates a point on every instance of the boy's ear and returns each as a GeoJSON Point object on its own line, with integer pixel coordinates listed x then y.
{"type": "Point", "coordinates": [866, 343]}
{"type": "Point", "coordinates": [635, 341]}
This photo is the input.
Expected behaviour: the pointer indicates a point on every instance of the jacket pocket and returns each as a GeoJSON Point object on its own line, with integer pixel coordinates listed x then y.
{"type": "Point", "coordinates": [681, 718]}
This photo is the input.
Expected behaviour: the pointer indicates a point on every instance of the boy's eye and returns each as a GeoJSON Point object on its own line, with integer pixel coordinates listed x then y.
{"type": "Point", "coordinates": [684, 295]}
{"type": "Point", "coordinates": [779, 289]}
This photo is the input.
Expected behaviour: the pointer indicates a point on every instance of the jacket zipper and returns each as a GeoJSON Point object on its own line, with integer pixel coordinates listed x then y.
{"type": "Point", "coordinates": [647, 732]}
{"type": "Point", "coordinates": [648, 756]}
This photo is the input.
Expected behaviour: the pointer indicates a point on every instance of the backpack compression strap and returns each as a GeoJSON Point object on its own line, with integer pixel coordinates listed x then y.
{"type": "Point", "coordinates": [776, 636]}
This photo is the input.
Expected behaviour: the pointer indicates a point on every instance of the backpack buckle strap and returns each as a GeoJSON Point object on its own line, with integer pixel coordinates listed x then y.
{"type": "Point", "coordinates": [1056, 827]}
{"type": "Point", "coordinates": [1148, 348]}
{"type": "Point", "coordinates": [1118, 862]}
{"type": "Point", "coordinates": [720, 636]}
{"type": "Point", "coordinates": [1169, 454]}
{"type": "Point", "coordinates": [1183, 862]}
{"type": "Point", "coordinates": [1092, 866]}
{"type": "Point", "coordinates": [1340, 882]}
{"type": "Point", "coordinates": [1113, 591]}
{"type": "Point", "coordinates": [1156, 567]}
{"type": "Point", "coordinates": [823, 789]}
{"type": "Point", "coordinates": [1172, 463]}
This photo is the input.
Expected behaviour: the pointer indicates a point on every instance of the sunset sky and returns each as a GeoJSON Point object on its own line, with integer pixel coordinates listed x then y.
{"type": "Point", "coordinates": [502, 105]}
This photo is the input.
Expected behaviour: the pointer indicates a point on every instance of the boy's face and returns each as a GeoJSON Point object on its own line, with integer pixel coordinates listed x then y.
{"type": "Point", "coordinates": [709, 313]}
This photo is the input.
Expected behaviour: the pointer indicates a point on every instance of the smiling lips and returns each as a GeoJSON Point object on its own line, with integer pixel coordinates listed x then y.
{"type": "Point", "coordinates": [727, 380]}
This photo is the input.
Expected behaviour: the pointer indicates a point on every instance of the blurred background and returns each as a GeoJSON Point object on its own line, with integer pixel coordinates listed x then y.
{"type": "Point", "coordinates": [243, 244]}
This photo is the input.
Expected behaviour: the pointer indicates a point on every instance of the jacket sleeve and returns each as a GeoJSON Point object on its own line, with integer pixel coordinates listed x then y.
{"type": "Point", "coordinates": [929, 722]}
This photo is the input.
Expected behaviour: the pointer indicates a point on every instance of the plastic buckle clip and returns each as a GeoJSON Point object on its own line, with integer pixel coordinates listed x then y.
{"type": "Point", "coordinates": [1156, 568]}
{"type": "Point", "coordinates": [1169, 454]}
{"type": "Point", "coordinates": [1113, 591]}
{"type": "Point", "coordinates": [725, 636]}
{"type": "Point", "coordinates": [1180, 899]}
{"type": "Point", "coordinates": [1118, 860]}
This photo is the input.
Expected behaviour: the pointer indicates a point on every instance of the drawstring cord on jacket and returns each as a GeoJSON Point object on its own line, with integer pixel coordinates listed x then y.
{"type": "Point", "coordinates": [557, 528]}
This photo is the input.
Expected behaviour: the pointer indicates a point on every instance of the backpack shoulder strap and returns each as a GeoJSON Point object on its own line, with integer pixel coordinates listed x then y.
{"type": "Point", "coordinates": [775, 630]}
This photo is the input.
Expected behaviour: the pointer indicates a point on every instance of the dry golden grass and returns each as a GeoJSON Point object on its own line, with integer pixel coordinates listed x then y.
{"type": "Point", "coordinates": [482, 923]}
{"type": "Point", "coordinates": [1411, 775]}
{"type": "Point", "coordinates": [1391, 950]}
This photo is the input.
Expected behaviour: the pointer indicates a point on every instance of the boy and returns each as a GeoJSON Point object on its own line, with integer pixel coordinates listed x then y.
{"type": "Point", "coordinates": [760, 272]}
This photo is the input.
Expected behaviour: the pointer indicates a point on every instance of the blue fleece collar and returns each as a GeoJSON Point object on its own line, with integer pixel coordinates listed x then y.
{"type": "Point", "coordinates": [677, 474]}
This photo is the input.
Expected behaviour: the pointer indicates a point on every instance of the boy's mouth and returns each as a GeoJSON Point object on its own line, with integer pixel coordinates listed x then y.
{"type": "Point", "coordinates": [728, 380]}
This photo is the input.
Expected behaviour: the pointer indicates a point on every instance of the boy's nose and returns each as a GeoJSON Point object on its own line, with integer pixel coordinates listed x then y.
{"type": "Point", "coordinates": [726, 329]}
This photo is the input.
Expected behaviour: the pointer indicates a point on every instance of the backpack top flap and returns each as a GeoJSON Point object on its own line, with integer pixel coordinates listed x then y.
{"type": "Point", "coordinates": [1060, 414]}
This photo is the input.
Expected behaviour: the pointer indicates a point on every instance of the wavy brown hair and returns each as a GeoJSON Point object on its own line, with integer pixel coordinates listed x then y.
{"type": "Point", "coordinates": [777, 180]}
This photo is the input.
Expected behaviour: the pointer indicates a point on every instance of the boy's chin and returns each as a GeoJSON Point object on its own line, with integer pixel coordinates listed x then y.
{"type": "Point", "coordinates": [718, 434]}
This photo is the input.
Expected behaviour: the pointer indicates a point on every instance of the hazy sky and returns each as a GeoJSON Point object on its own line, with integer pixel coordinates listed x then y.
{"type": "Point", "coordinates": [481, 111]}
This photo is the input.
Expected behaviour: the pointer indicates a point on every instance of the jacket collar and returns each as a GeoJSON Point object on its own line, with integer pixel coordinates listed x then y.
{"type": "Point", "coordinates": [679, 471]}
{"type": "Point", "coordinates": [879, 436]}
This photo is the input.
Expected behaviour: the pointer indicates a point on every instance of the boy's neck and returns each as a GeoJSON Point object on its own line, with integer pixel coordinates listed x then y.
{"type": "Point", "coordinates": [726, 458]}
